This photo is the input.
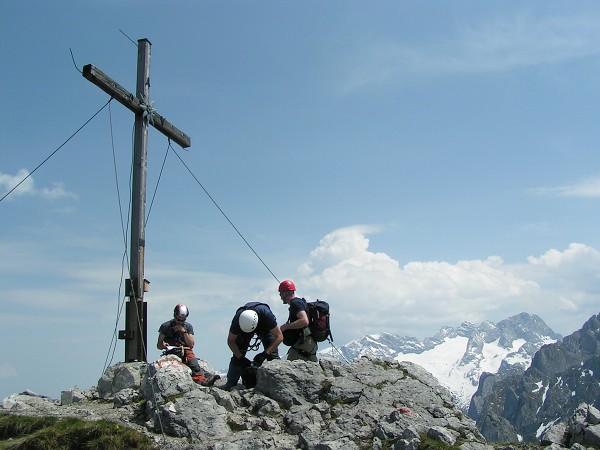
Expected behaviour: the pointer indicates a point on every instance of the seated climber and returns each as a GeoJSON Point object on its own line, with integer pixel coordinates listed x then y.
{"type": "Point", "coordinates": [180, 334]}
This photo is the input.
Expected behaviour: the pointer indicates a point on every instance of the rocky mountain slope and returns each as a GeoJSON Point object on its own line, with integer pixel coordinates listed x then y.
{"type": "Point", "coordinates": [523, 403]}
{"type": "Point", "coordinates": [458, 357]}
{"type": "Point", "coordinates": [369, 403]}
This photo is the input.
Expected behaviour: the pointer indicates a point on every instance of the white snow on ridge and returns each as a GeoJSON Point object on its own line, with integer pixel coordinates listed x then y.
{"type": "Point", "coordinates": [444, 363]}
{"type": "Point", "coordinates": [456, 361]}
{"type": "Point", "coordinates": [539, 385]}
{"type": "Point", "coordinates": [546, 388]}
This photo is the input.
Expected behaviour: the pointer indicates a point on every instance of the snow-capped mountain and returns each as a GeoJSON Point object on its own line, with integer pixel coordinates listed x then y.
{"type": "Point", "coordinates": [458, 356]}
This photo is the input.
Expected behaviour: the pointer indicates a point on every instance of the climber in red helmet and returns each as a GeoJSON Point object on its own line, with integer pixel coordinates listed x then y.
{"type": "Point", "coordinates": [295, 332]}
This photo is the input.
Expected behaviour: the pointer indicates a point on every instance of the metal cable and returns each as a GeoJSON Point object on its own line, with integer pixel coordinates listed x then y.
{"type": "Point", "coordinates": [225, 215]}
{"type": "Point", "coordinates": [157, 182]}
{"type": "Point", "coordinates": [54, 152]}
{"type": "Point", "coordinates": [120, 303]}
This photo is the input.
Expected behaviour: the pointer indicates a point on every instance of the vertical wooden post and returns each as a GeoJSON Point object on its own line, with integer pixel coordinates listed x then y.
{"type": "Point", "coordinates": [136, 332]}
{"type": "Point", "coordinates": [135, 312]}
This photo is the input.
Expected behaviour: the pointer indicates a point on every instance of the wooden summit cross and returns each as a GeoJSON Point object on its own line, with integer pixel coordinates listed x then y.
{"type": "Point", "coordinates": [136, 331]}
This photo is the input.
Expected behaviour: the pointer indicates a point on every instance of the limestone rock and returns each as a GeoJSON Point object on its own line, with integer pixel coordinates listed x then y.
{"type": "Point", "coordinates": [120, 376]}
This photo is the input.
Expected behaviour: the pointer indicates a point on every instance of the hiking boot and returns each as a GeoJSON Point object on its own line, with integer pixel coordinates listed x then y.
{"type": "Point", "coordinates": [225, 386]}
{"type": "Point", "coordinates": [210, 381]}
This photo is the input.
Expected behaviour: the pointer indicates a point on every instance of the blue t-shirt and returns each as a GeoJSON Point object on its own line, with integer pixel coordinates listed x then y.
{"type": "Point", "coordinates": [266, 319]}
{"type": "Point", "coordinates": [291, 336]}
{"type": "Point", "coordinates": [297, 305]}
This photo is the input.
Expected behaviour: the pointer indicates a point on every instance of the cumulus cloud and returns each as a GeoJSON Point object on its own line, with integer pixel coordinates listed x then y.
{"type": "Point", "coordinates": [25, 185]}
{"type": "Point", "coordinates": [513, 42]}
{"type": "Point", "coordinates": [371, 292]}
{"type": "Point", "coordinates": [574, 270]}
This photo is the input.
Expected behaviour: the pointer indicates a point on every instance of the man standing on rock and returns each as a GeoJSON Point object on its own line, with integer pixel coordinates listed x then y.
{"type": "Point", "coordinates": [296, 332]}
{"type": "Point", "coordinates": [179, 333]}
{"type": "Point", "coordinates": [254, 318]}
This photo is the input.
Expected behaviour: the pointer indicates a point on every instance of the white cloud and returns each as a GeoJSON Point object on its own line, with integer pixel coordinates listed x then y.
{"type": "Point", "coordinates": [527, 41]}
{"type": "Point", "coordinates": [345, 244]}
{"type": "Point", "coordinates": [56, 191]}
{"type": "Point", "coordinates": [519, 41]}
{"type": "Point", "coordinates": [370, 292]}
{"type": "Point", "coordinates": [28, 187]}
{"type": "Point", "coordinates": [588, 188]}
{"type": "Point", "coordinates": [8, 182]}
{"type": "Point", "coordinates": [573, 271]}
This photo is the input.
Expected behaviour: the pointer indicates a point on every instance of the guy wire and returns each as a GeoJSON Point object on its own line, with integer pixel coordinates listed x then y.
{"type": "Point", "coordinates": [54, 152]}
{"type": "Point", "coordinates": [225, 215]}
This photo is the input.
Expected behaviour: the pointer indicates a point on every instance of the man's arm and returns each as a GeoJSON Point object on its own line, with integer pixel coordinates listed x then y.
{"type": "Point", "coordinates": [232, 344]}
{"type": "Point", "coordinates": [188, 338]}
{"type": "Point", "coordinates": [300, 322]}
{"type": "Point", "coordinates": [161, 345]}
{"type": "Point", "coordinates": [278, 340]}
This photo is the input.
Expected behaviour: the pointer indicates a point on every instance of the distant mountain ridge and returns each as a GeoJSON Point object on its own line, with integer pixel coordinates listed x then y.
{"type": "Point", "coordinates": [458, 357]}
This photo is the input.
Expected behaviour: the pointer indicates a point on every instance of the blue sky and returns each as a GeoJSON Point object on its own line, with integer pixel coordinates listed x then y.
{"type": "Point", "coordinates": [416, 164]}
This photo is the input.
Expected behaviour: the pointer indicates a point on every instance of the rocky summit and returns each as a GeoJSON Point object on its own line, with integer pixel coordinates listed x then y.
{"type": "Point", "coordinates": [368, 403]}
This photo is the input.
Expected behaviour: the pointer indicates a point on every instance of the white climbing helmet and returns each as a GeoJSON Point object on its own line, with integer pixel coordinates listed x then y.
{"type": "Point", "coordinates": [248, 320]}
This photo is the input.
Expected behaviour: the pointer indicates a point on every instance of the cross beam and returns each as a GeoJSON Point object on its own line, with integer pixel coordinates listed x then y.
{"type": "Point", "coordinates": [135, 333]}
{"type": "Point", "coordinates": [127, 99]}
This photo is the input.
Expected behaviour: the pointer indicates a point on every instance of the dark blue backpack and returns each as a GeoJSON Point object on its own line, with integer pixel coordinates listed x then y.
{"type": "Point", "coordinates": [318, 324]}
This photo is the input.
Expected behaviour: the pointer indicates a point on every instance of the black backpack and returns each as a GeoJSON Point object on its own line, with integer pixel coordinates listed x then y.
{"type": "Point", "coordinates": [318, 320]}
{"type": "Point", "coordinates": [249, 376]}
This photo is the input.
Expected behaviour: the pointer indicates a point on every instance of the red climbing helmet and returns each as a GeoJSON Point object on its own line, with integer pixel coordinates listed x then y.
{"type": "Point", "coordinates": [287, 285]}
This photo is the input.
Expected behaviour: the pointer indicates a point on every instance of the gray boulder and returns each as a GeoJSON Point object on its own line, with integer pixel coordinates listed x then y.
{"type": "Point", "coordinates": [555, 434]}
{"type": "Point", "coordinates": [166, 378]}
{"type": "Point", "coordinates": [120, 376]}
{"type": "Point", "coordinates": [27, 401]}
{"type": "Point", "coordinates": [583, 427]}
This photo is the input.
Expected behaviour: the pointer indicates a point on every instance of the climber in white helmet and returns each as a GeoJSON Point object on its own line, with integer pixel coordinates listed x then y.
{"type": "Point", "coordinates": [252, 319]}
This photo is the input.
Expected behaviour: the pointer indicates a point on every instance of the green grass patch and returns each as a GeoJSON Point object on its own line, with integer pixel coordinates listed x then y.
{"type": "Point", "coordinates": [432, 444]}
{"type": "Point", "coordinates": [32, 433]}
